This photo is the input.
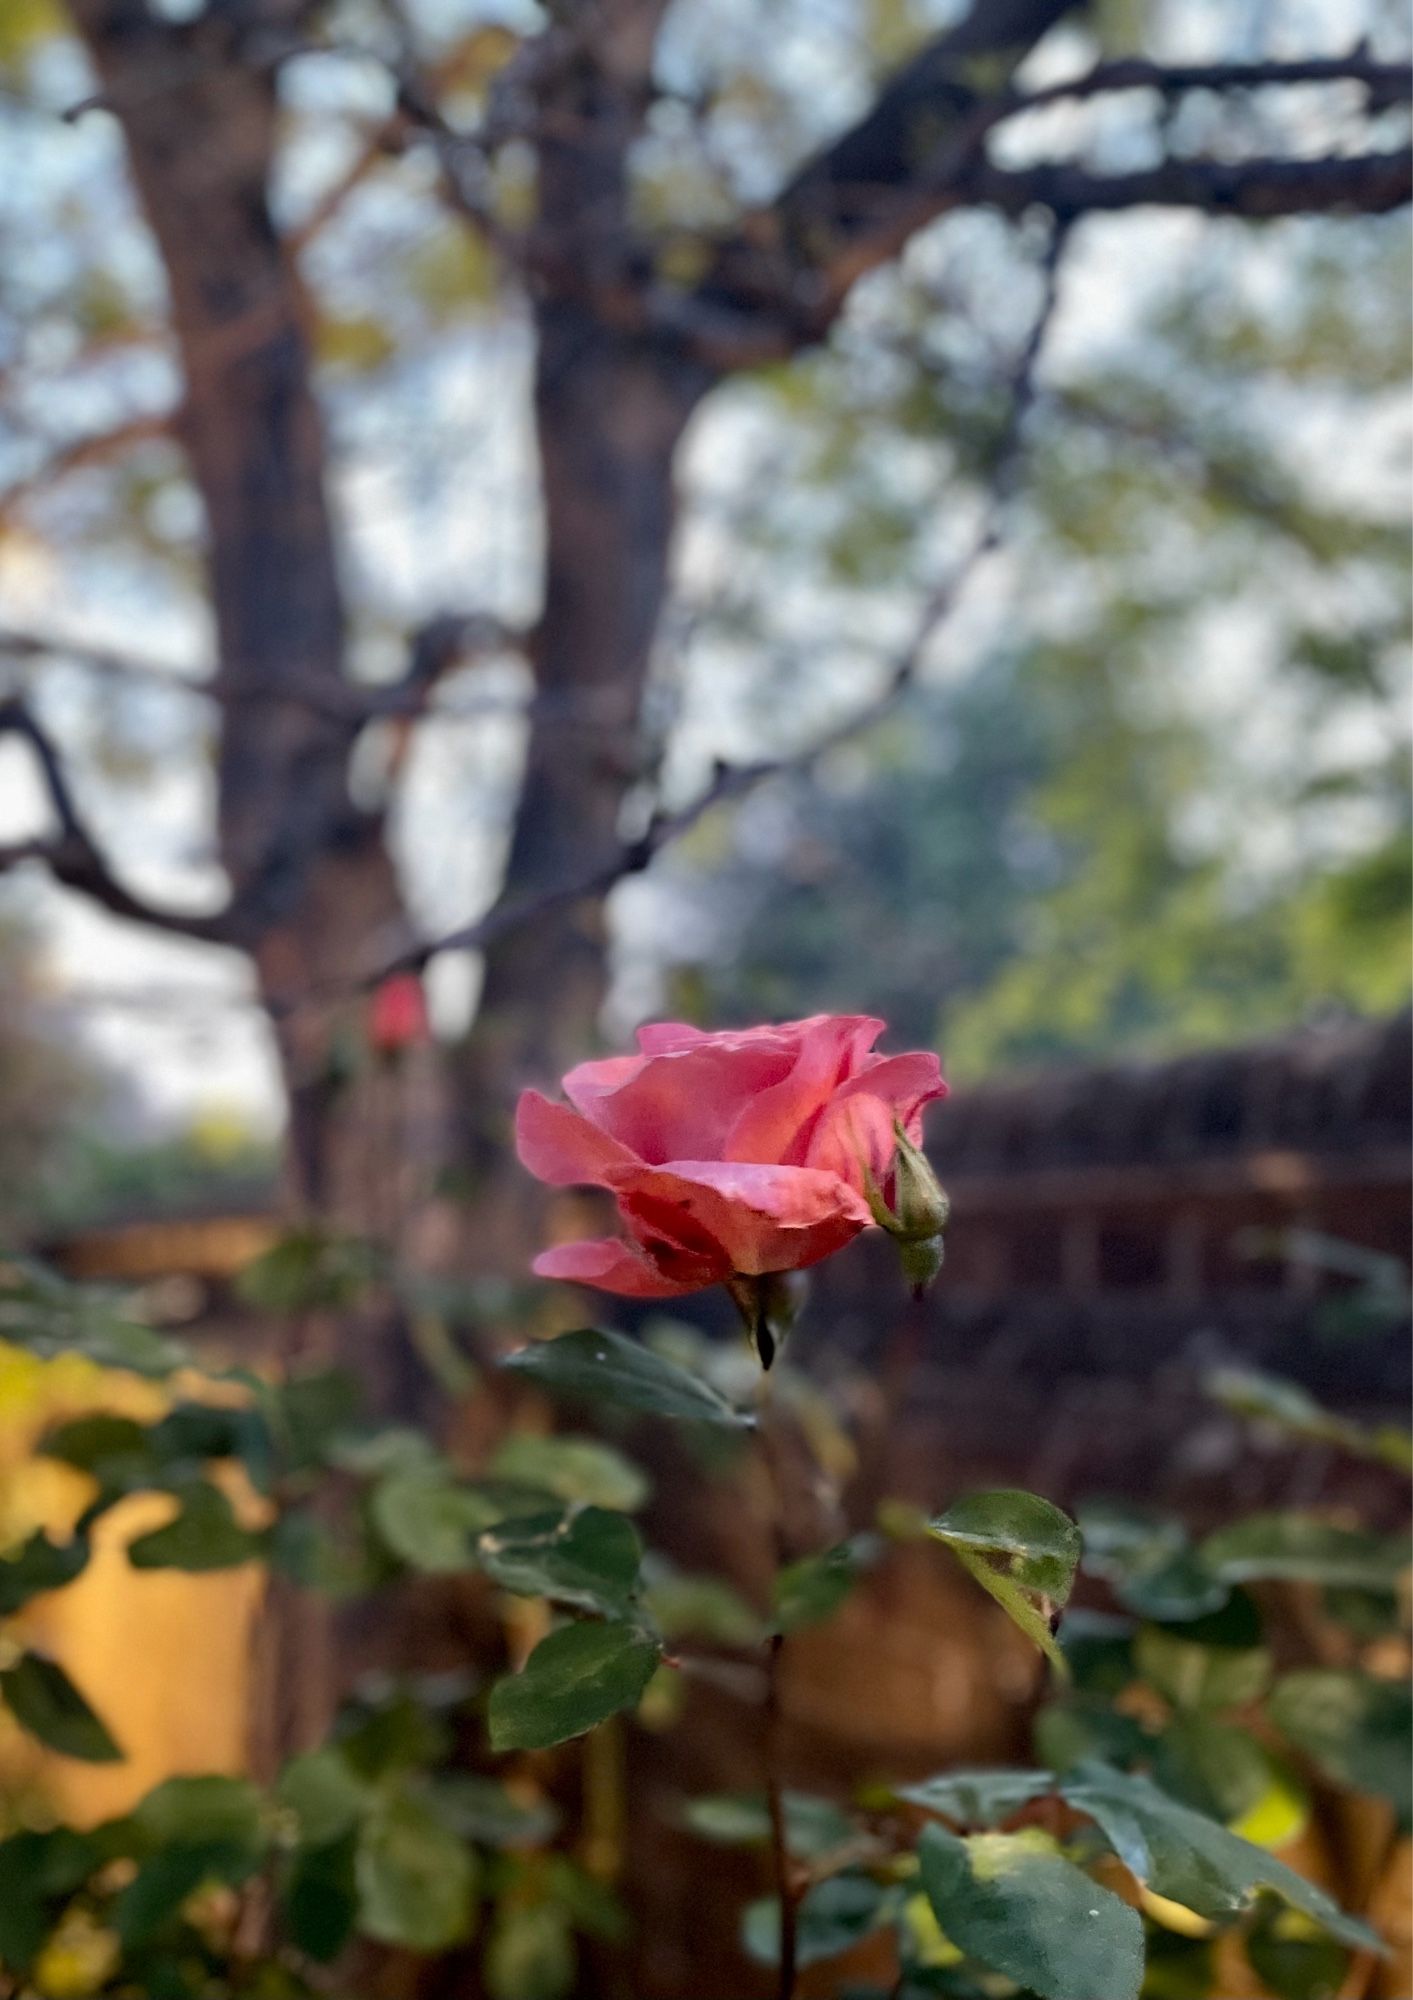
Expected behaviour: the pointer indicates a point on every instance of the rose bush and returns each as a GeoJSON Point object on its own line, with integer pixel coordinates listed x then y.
{"type": "Point", "coordinates": [745, 1152]}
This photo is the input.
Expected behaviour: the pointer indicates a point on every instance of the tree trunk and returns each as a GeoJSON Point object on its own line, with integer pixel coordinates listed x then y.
{"type": "Point", "coordinates": [610, 413]}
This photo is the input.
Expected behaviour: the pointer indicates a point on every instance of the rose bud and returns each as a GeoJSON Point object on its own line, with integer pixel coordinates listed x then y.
{"type": "Point", "coordinates": [397, 1014]}
{"type": "Point", "coordinates": [919, 1212]}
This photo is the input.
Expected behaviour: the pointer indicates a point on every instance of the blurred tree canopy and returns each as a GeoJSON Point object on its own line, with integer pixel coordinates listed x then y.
{"type": "Point", "coordinates": [454, 451]}
{"type": "Point", "coordinates": [1166, 800]}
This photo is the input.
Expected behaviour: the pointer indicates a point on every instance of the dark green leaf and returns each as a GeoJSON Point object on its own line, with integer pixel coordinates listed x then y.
{"type": "Point", "coordinates": [50, 1317]}
{"type": "Point", "coordinates": [308, 1270]}
{"type": "Point", "coordinates": [573, 1469]}
{"type": "Point", "coordinates": [156, 1893]}
{"type": "Point", "coordinates": [608, 1367]}
{"type": "Point", "coordinates": [203, 1535]}
{"type": "Point", "coordinates": [1014, 1902]}
{"type": "Point", "coordinates": [734, 1819]}
{"type": "Point", "coordinates": [1220, 1770]}
{"type": "Point", "coordinates": [530, 1954]}
{"type": "Point", "coordinates": [43, 1700]}
{"type": "Point", "coordinates": [1099, 1649]}
{"type": "Point", "coordinates": [575, 1678]}
{"type": "Point", "coordinates": [429, 1520]}
{"type": "Point", "coordinates": [1218, 1661]}
{"type": "Point", "coordinates": [319, 1898]}
{"type": "Point", "coordinates": [1148, 1561]}
{"type": "Point", "coordinates": [38, 1565]}
{"type": "Point", "coordinates": [698, 1607]}
{"type": "Point", "coordinates": [1086, 1726]}
{"type": "Point", "coordinates": [978, 1797]}
{"type": "Point", "coordinates": [38, 1873]}
{"type": "Point", "coordinates": [1302, 1548]}
{"type": "Point", "coordinates": [1354, 1728]}
{"type": "Point", "coordinates": [479, 1809]}
{"type": "Point", "coordinates": [325, 1794]}
{"type": "Point", "coordinates": [808, 1591]}
{"type": "Point", "coordinates": [1190, 1858]}
{"type": "Point", "coordinates": [1020, 1549]}
{"type": "Point", "coordinates": [1292, 1957]}
{"type": "Point", "coordinates": [201, 1811]}
{"type": "Point", "coordinates": [416, 1881]}
{"type": "Point", "coordinates": [587, 1557]}
{"type": "Point", "coordinates": [832, 1918]}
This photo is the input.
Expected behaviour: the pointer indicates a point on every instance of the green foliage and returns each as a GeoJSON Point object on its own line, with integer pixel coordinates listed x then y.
{"type": "Point", "coordinates": [43, 1700]}
{"type": "Point", "coordinates": [577, 1677]}
{"type": "Point", "coordinates": [1356, 1730]}
{"type": "Point", "coordinates": [1012, 1901]}
{"type": "Point", "coordinates": [587, 1557]}
{"type": "Point", "coordinates": [416, 1880]}
{"type": "Point", "coordinates": [1020, 1549]}
{"type": "Point", "coordinates": [596, 1366]}
{"type": "Point", "coordinates": [812, 1589]}
{"type": "Point", "coordinates": [832, 1918]}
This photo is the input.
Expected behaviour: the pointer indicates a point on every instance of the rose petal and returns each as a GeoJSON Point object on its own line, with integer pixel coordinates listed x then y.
{"type": "Point", "coordinates": [610, 1265]}
{"type": "Point", "coordinates": [561, 1147]}
{"type": "Point", "coordinates": [763, 1218]}
{"type": "Point", "coordinates": [680, 1105]}
{"type": "Point", "coordinates": [906, 1082]}
{"type": "Point", "coordinates": [776, 1124]}
{"type": "Point", "coordinates": [854, 1132]}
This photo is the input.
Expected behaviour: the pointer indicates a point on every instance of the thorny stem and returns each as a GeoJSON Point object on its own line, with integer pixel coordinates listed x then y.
{"type": "Point", "coordinates": [775, 1799]}
{"type": "Point", "coordinates": [786, 1887]}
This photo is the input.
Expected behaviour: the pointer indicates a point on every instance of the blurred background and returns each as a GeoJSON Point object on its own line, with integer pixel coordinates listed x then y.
{"type": "Point", "coordinates": [509, 528]}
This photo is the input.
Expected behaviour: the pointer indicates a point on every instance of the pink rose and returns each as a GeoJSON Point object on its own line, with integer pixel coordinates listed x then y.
{"type": "Point", "coordinates": [742, 1152]}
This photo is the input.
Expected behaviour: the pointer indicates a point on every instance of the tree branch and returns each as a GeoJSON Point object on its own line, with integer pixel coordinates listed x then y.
{"type": "Point", "coordinates": [75, 858]}
{"type": "Point", "coordinates": [1365, 183]}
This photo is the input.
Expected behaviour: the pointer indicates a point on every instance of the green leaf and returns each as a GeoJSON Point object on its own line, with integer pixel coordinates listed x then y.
{"type": "Point", "coordinates": [1190, 1858]}
{"type": "Point", "coordinates": [1014, 1902]}
{"type": "Point", "coordinates": [43, 1700]}
{"type": "Point", "coordinates": [38, 1873]}
{"type": "Point", "coordinates": [427, 1519]}
{"type": "Point", "coordinates": [578, 1676]}
{"type": "Point", "coordinates": [1217, 1661]}
{"type": "Point", "coordinates": [1355, 1729]}
{"type": "Point", "coordinates": [1099, 1648]}
{"type": "Point", "coordinates": [979, 1797]}
{"type": "Point", "coordinates": [530, 1954]}
{"type": "Point", "coordinates": [155, 1895]}
{"type": "Point", "coordinates": [1302, 1548]}
{"type": "Point", "coordinates": [319, 1898]}
{"type": "Point", "coordinates": [309, 1270]}
{"type": "Point", "coordinates": [38, 1565]}
{"type": "Point", "coordinates": [1225, 1772]}
{"type": "Point", "coordinates": [324, 1793]}
{"type": "Point", "coordinates": [574, 1470]}
{"type": "Point", "coordinates": [1285, 1406]}
{"type": "Point", "coordinates": [832, 1918]}
{"type": "Point", "coordinates": [587, 1557]}
{"type": "Point", "coordinates": [608, 1367]}
{"type": "Point", "coordinates": [480, 1810]}
{"type": "Point", "coordinates": [1086, 1726]}
{"type": "Point", "coordinates": [808, 1591]}
{"type": "Point", "coordinates": [201, 1811]}
{"type": "Point", "coordinates": [1022, 1550]}
{"type": "Point", "coordinates": [50, 1317]}
{"type": "Point", "coordinates": [699, 1607]}
{"type": "Point", "coordinates": [203, 1535]}
{"type": "Point", "coordinates": [416, 1881]}
{"type": "Point", "coordinates": [1291, 1957]}
{"type": "Point", "coordinates": [114, 1450]}
{"type": "Point", "coordinates": [813, 1826]}
{"type": "Point", "coordinates": [1148, 1561]}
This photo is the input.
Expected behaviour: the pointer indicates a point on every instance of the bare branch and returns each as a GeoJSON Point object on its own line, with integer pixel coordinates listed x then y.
{"type": "Point", "coordinates": [733, 782]}
{"type": "Point", "coordinates": [1362, 183]}
{"type": "Point", "coordinates": [74, 857]}
{"type": "Point", "coordinates": [73, 456]}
